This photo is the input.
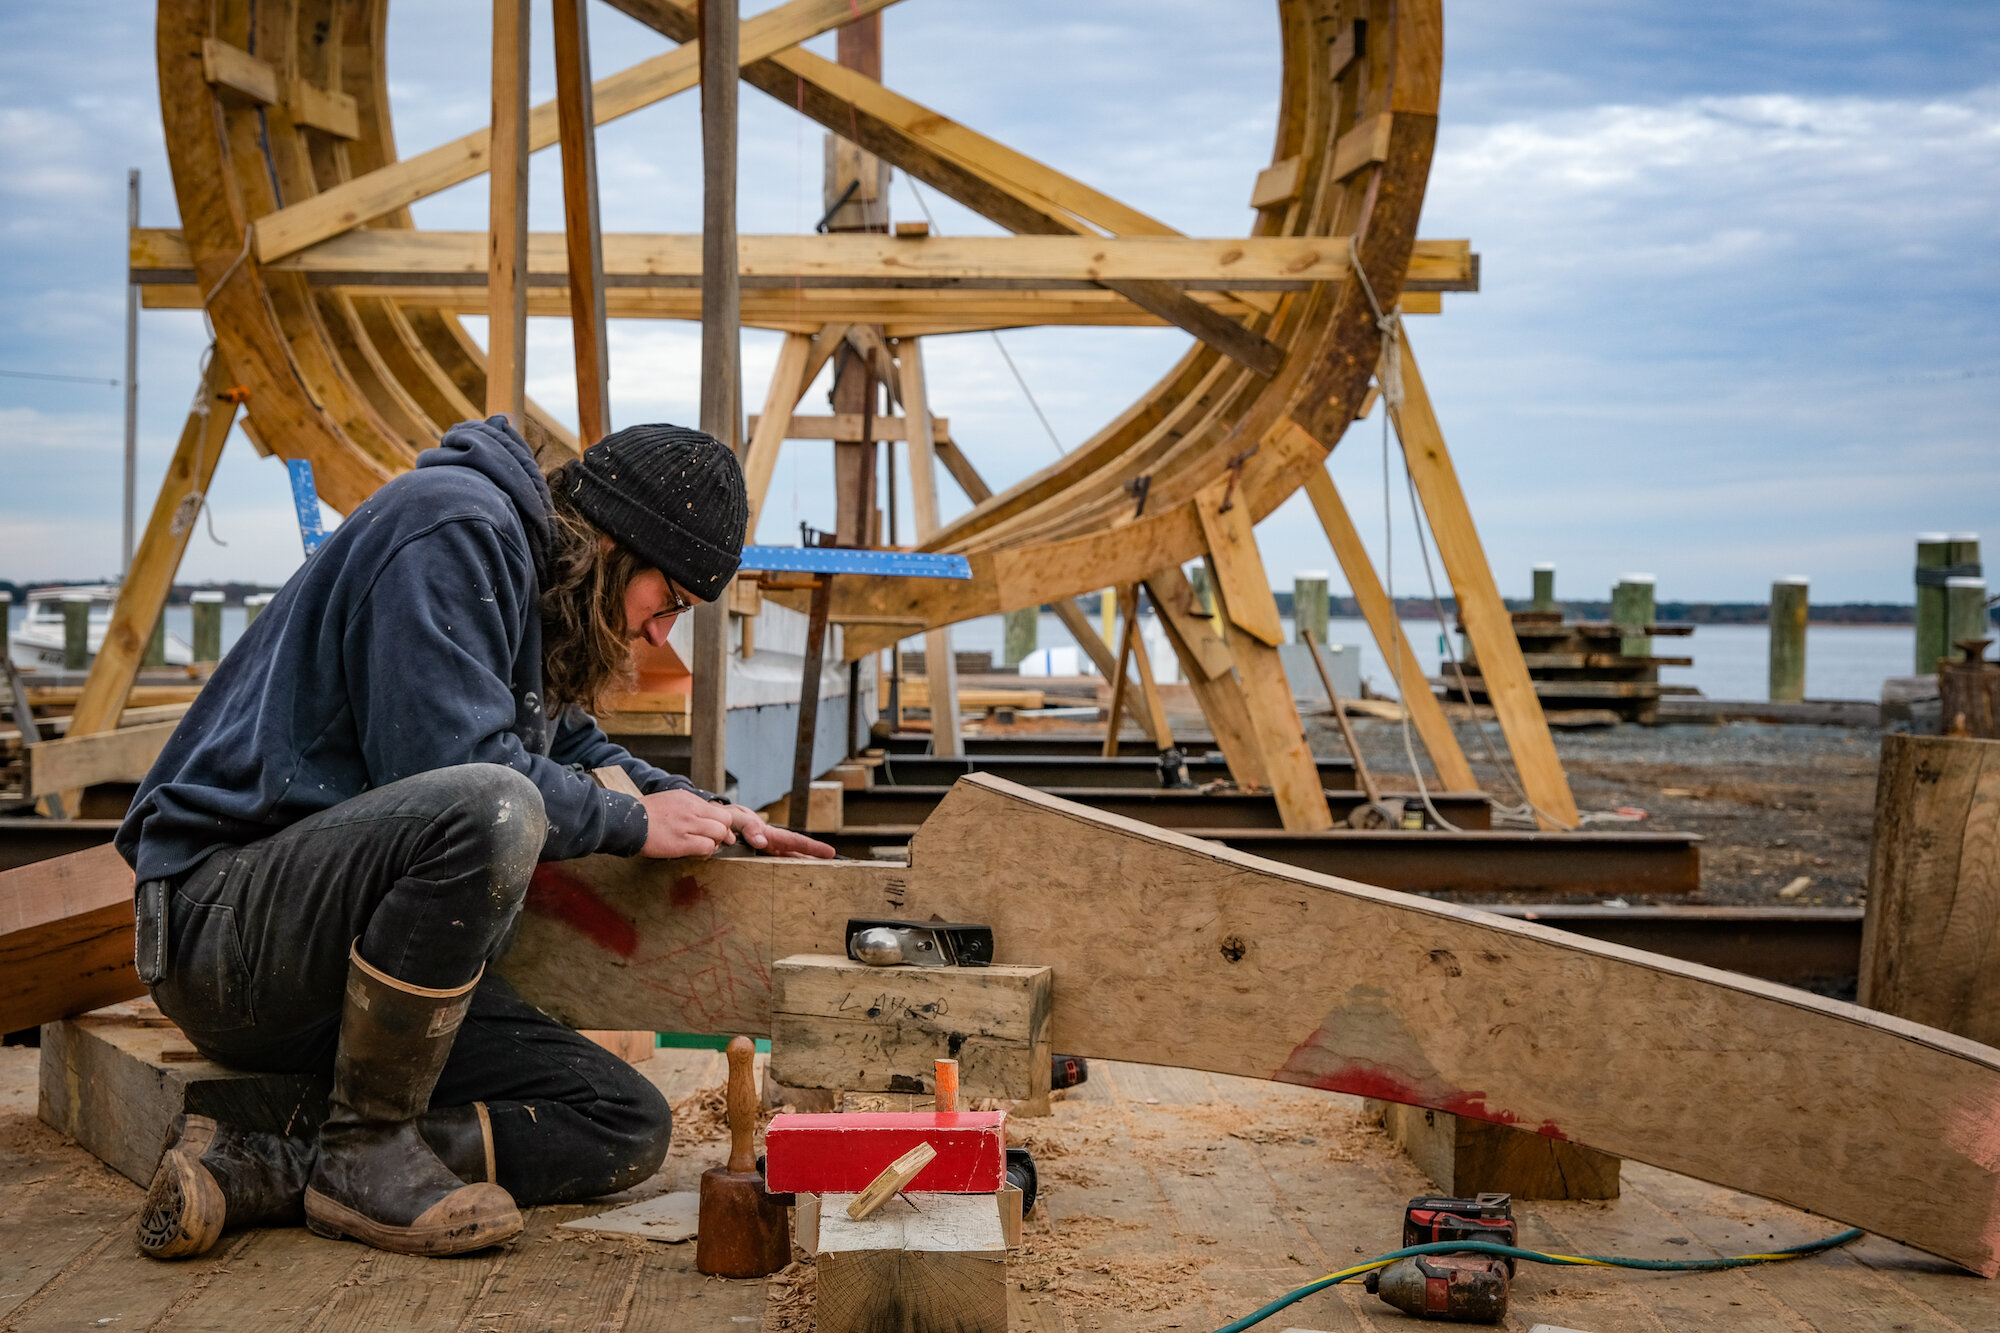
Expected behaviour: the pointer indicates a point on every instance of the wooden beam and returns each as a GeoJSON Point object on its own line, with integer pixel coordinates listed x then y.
{"type": "Point", "coordinates": [576, 126]}
{"type": "Point", "coordinates": [1152, 708]}
{"type": "Point", "coordinates": [847, 426]}
{"type": "Point", "coordinates": [324, 109]}
{"type": "Point", "coordinates": [401, 256]}
{"type": "Point", "coordinates": [1120, 680]}
{"type": "Point", "coordinates": [1279, 973]}
{"type": "Point", "coordinates": [507, 213]}
{"type": "Point", "coordinates": [771, 428]}
{"type": "Point", "coordinates": [1363, 146]}
{"type": "Point", "coordinates": [1247, 602]}
{"type": "Point", "coordinates": [143, 596]}
{"type": "Point", "coordinates": [1277, 183]}
{"type": "Point", "coordinates": [721, 349]}
{"type": "Point", "coordinates": [941, 665]}
{"type": "Point", "coordinates": [1487, 622]}
{"type": "Point", "coordinates": [233, 68]}
{"type": "Point", "coordinates": [75, 762]}
{"type": "Point", "coordinates": [1454, 773]}
{"type": "Point", "coordinates": [65, 938]}
{"type": "Point", "coordinates": [385, 190]}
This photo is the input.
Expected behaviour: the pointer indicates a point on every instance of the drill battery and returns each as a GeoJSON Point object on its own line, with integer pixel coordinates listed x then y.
{"type": "Point", "coordinates": [1485, 1217]}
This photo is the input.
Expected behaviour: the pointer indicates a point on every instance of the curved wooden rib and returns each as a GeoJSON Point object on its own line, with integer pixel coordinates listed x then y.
{"type": "Point", "coordinates": [357, 383]}
{"type": "Point", "coordinates": [1173, 951]}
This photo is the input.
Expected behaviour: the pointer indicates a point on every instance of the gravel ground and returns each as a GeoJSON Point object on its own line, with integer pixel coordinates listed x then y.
{"type": "Point", "coordinates": [1773, 804]}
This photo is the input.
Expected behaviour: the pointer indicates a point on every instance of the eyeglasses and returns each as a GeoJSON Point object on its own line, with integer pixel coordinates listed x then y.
{"type": "Point", "coordinates": [681, 603]}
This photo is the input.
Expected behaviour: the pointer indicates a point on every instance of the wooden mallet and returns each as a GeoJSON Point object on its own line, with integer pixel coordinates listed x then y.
{"type": "Point", "coordinates": [742, 1224]}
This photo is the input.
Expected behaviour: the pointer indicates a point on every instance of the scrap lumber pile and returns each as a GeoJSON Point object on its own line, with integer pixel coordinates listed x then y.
{"type": "Point", "coordinates": [1582, 665]}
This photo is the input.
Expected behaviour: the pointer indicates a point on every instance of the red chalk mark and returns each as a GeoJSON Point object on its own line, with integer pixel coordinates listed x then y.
{"type": "Point", "coordinates": [1360, 1079]}
{"type": "Point", "coordinates": [686, 892]}
{"type": "Point", "coordinates": [554, 892]}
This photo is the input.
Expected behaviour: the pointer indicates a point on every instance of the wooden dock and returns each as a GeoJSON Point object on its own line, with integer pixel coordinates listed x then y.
{"type": "Point", "coordinates": [1172, 1200]}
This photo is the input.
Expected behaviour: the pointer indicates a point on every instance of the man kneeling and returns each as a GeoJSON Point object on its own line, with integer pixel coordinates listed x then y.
{"type": "Point", "coordinates": [339, 837]}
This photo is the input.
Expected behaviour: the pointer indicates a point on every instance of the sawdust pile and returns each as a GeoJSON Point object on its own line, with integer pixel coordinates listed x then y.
{"type": "Point", "coordinates": [788, 1299]}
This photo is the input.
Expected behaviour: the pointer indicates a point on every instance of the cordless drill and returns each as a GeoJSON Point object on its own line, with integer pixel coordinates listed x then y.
{"type": "Point", "coordinates": [1460, 1288]}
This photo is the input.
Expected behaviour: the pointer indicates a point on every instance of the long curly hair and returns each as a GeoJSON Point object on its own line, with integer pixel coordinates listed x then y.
{"type": "Point", "coordinates": [585, 651]}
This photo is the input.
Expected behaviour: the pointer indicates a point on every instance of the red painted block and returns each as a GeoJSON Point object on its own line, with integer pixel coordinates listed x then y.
{"type": "Point", "coordinates": [841, 1154]}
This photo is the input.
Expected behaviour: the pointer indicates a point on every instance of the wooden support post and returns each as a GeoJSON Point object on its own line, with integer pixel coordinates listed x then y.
{"type": "Point", "coordinates": [1788, 639]}
{"type": "Point", "coordinates": [1255, 632]}
{"type": "Point", "coordinates": [1151, 713]}
{"type": "Point", "coordinates": [721, 310]}
{"type": "Point", "coordinates": [1453, 772]}
{"type": "Point", "coordinates": [137, 618]}
{"type": "Point", "coordinates": [577, 128]}
{"type": "Point", "coordinates": [1487, 623]}
{"type": "Point", "coordinates": [1928, 949]}
{"type": "Point", "coordinates": [253, 606]}
{"type": "Point", "coordinates": [808, 733]}
{"type": "Point", "coordinates": [76, 630]}
{"type": "Point", "coordinates": [1018, 640]}
{"type": "Point", "coordinates": [788, 383]}
{"type": "Point", "coordinates": [854, 472]}
{"type": "Point", "coordinates": [1309, 606]}
{"type": "Point", "coordinates": [205, 610]}
{"type": "Point", "coordinates": [1632, 611]}
{"type": "Point", "coordinates": [1545, 589]}
{"type": "Point", "coordinates": [1113, 716]}
{"type": "Point", "coordinates": [1964, 614]}
{"type": "Point", "coordinates": [1205, 661]}
{"type": "Point", "coordinates": [507, 211]}
{"type": "Point", "coordinates": [1107, 615]}
{"type": "Point", "coordinates": [940, 666]}
{"type": "Point", "coordinates": [1940, 555]}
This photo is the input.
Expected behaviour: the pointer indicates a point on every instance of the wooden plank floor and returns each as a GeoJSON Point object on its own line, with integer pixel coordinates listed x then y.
{"type": "Point", "coordinates": [1173, 1200]}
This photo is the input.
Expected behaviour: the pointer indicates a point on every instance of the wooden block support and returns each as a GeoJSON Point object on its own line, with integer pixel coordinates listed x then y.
{"type": "Point", "coordinates": [836, 1023]}
{"type": "Point", "coordinates": [941, 1266]}
{"type": "Point", "coordinates": [1929, 952]}
{"type": "Point", "coordinates": [65, 938]}
{"type": "Point", "coordinates": [233, 68]}
{"type": "Point", "coordinates": [1464, 1157]}
{"type": "Point", "coordinates": [824, 807]}
{"type": "Point", "coordinates": [105, 1084]}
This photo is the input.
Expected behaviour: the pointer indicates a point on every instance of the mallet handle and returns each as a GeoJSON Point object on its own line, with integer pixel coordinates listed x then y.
{"type": "Point", "coordinates": [742, 1105]}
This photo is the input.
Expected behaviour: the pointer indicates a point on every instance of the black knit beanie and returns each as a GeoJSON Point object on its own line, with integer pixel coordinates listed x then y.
{"type": "Point", "coordinates": [674, 497]}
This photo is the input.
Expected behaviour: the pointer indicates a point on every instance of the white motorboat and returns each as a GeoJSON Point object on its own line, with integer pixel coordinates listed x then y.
{"type": "Point", "coordinates": [36, 644]}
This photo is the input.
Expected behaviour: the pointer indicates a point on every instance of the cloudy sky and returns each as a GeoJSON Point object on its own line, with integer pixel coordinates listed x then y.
{"type": "Point", "coordinates": [1739, 317]}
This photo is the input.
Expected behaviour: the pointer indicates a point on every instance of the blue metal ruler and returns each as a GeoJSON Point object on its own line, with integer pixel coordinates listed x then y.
{"type": "Point", "coordinates": [846, 560]}
{"type": "Point", "coordinates": [305, 498]}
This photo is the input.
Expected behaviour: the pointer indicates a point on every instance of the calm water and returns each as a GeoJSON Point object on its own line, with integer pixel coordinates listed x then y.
{"type": "Point", "coordinates": [1730, 661]}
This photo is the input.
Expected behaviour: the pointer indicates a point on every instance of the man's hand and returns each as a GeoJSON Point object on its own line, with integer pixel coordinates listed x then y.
{"type": "Point", "coordinates": [769, 838]}
{"type": "Point", "coordinates": [679, 823]}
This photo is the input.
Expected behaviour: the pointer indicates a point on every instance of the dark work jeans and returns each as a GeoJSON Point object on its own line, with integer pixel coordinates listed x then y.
{"type": "Point", "coordinates": [428, 874]}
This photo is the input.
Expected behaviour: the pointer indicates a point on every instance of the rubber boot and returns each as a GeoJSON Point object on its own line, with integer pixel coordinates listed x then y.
{"type": "Point", "coordinates": [213, 1178]}
{"type": "Point", "coordinates": [376, 1179]}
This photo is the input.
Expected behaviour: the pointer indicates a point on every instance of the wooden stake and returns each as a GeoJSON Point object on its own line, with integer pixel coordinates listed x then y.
{"type": "Point", "coordinates": [1454, 773]}
{"type": "Point", "coordinates": [1788, 639]}
{"type": "Point", "coordinates": [720, 311]}
{"type": "Point", "coordinates": [507, 213]}
{"type": "Point", "coordinates": [1112, 715]}
{"type": "Point", "coordinates": [808, 732]}
{"type": "Point", "coordinates": [893, 1178]}
{"type": "Point", "coordinates": [143, 596]}
{"type": "Point", "coordinates": [940, 663]}
{"type": "Point", "coordinates": [578, 130]}
{"type": "Point", "coordinates": [1487, 622]}
{"type": "Point", "coordinates": [1152, 716]}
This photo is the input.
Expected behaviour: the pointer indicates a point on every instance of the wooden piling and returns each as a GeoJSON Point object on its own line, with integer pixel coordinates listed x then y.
{"type": "Point", "coordinates": [156, 646]}
{"type": "Point", "coordinates": [1788, 639]}
{"type": "Point", "coordinates": [1309, 605]}
{"type": "Point", "coordinates": [6, 612]}
{"type": "Point", "coordinates": [1632, 611]}
{"type": "Point", "coordinates": [1545, 589]}
{"type": "Point", "coordinates": [1021, 627]}
{"type": "Point", "coordinates": [76, 631]}
{"type": "Point", "coordinates": [1940, 556]}
{"type": "Point", "coordinates": [1964, 614]}
{"type": "Point", "coordinates": [507, 218]}
{"type": "Point", "coordinates": [207, 609]}
{"type": "Point", "coordinates": [253, 606]}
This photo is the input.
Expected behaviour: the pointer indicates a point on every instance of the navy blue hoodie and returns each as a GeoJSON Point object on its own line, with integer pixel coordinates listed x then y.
{"type": "Point", "coordinates": [410, 641]}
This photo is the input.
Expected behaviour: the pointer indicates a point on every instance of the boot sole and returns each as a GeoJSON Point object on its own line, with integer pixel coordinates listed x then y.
{"type": "Point", "coordinates": [336, 1221]}
{"type": "Point", "coordinates": [184, 1211]}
